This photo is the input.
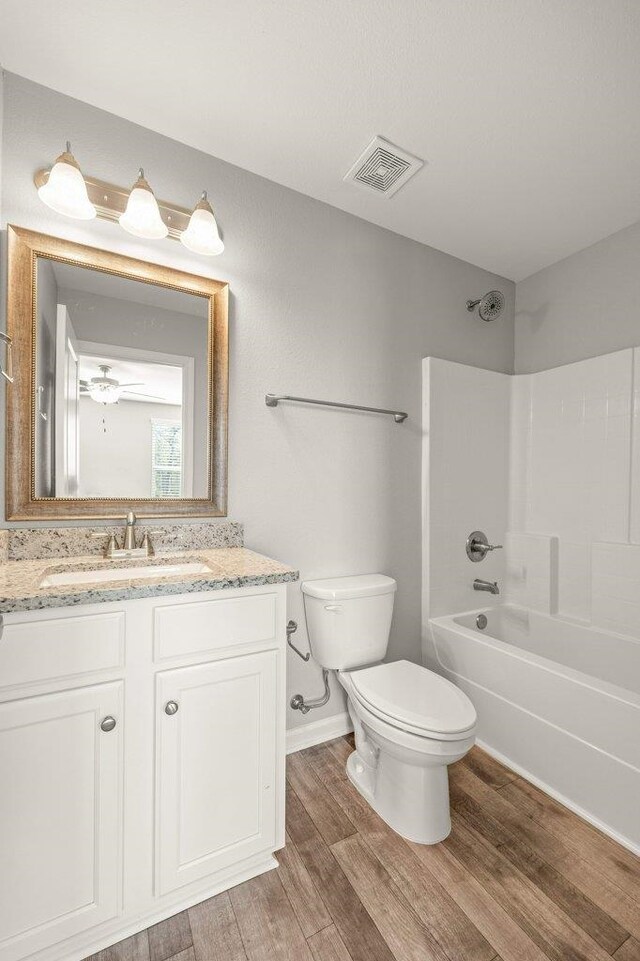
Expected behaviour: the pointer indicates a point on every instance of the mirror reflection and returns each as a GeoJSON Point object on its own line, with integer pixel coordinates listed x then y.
{"type": "Point", "coordinates": [121, 384]}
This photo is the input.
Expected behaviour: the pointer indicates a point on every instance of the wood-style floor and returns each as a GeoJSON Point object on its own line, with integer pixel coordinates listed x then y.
{"type": "Point", "coordinates": [520, 878]}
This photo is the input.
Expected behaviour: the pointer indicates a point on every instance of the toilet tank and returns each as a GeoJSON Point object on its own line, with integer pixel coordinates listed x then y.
{"type": "Point", "coordinates": [349, 619]}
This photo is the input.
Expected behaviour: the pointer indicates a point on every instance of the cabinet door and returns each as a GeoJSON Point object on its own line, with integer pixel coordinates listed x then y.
{"type": "Point", "coordinates": [216, 767]}
{"type": "Point", "coordinates": [59, 816]}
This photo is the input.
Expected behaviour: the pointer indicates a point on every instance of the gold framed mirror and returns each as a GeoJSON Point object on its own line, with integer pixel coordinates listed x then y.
{"type": "Point", "coordinates": [120, 385]}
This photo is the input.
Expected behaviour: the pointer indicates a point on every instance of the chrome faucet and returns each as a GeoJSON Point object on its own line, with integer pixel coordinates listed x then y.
{"type": "Point", "coordinates": [490, 586]}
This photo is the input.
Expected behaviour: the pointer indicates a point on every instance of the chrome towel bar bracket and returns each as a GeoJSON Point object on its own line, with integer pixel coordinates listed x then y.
{"type": "Point", "coordinates": [272, 400]}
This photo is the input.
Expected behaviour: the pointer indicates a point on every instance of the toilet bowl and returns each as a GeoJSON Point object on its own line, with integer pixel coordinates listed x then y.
{"type": "Point", "coordinates": [409, 722]}
{"type": "Point", "coordinates": [400, 769]}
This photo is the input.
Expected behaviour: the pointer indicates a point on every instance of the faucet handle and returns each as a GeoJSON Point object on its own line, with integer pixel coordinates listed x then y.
{"type": "Point", "coordinates": [145, 543]}
{"type": "Point", "coordinates": [478, 546]}
{"type": "Point", "coordinates": [110, 546]}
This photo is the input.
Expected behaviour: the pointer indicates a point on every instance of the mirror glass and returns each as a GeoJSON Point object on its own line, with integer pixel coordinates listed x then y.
{"type": "Point", "coordinates": [121, 387]}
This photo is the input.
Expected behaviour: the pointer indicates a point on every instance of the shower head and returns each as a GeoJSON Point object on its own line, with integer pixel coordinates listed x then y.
{"type": "Point", "coordinates": [489, 307]}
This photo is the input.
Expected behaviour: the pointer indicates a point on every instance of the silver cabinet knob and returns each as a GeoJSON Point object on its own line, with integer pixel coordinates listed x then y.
{"type": "Point", "coordinates": [171, 707]}
{"type": "Point", "coordinates": [108, 723]}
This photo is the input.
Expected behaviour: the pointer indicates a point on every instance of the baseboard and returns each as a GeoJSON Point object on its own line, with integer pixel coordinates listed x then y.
{"type": "Point", "coordinates": [625, 842]}
{"type": "Point", "coordinates": [306, 735]}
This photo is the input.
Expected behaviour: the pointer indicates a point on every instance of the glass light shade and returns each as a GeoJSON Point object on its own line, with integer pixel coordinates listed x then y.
{"type": "Point", "coordinates": [142, 216]}
{"type": "Point", "coordinates": [65, 190]}
{"type": "Point", "coordinates": [201, 235]}
{"type": "Point", "coordinates": [104, 393]}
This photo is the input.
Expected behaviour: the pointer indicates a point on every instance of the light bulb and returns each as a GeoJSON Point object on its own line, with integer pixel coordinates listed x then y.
{"type": "Point", "coordinates": [65, 190]}
{"type": "Point", "coordinates": [201, 235]}
{"type": "Point", "coordinates": [142, 216]}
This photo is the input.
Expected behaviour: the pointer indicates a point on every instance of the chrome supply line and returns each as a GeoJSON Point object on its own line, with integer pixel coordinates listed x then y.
{"type": "Point", "coordinates": [298, 703]}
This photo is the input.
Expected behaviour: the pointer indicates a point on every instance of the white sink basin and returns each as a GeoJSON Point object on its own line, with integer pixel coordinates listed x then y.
{"type": "Point", "coordinates": [102, 574]}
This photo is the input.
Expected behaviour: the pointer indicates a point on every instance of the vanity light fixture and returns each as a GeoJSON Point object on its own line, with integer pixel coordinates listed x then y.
{"type": "Point", "coordinates": [65, 190]}
{"type": "Point", "coordinates": [201, 236]}
{"type": "Point", "coordinates": [142, 216]}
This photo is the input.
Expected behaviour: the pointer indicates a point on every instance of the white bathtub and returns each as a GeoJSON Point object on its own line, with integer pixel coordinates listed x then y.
{"type": "Point", "coordinates": [557, 701]}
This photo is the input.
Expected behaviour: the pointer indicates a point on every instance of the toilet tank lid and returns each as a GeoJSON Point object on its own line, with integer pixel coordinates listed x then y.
{"type": "Point", "coordinates": [343, 588]}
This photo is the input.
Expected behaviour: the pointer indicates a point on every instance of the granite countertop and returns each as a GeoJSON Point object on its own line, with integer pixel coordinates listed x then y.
{"type": "Point", "coordinates": [20, 588]}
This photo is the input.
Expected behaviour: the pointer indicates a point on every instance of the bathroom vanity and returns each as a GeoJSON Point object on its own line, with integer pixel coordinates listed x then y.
{"type": "Point", "coordinates": [142, 738]}
{"type": "Point", "coordinates": [142, 695]}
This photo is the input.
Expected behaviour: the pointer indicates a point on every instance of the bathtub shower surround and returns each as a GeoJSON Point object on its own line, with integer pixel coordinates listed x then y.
{"type": "Point", "coordinates": [615, 592]}
{"type": "Point", "coordinates": [549, 465]}
{"type": "Point", "coordinates": [531, 571]}
{"type": "Point", "coordinates": [574, 468]}
{"type": "Point", "coordinates": [465, 480]}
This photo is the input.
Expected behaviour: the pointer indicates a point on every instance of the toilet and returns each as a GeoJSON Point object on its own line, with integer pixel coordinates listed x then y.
{"type": "Point", "coordinates": [409, 723]}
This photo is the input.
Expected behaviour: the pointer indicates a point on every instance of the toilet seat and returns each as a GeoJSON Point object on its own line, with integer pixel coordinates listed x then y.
{"type": "Point", "coordinates": [413, 699]}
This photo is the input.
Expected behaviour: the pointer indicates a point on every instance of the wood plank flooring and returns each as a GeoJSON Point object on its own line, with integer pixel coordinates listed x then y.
{"type": "Point", "coordinates": [520, 878]}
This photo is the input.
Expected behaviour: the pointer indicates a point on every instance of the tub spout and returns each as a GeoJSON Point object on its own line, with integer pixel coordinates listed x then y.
{"type": "Point", "coordinates": [490, 586]}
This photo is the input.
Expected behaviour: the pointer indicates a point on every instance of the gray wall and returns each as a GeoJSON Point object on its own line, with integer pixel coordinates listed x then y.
{"type": "Point", "coordinates": [323, 305]}
{"type": "Point", "coordinates": [583, 306]}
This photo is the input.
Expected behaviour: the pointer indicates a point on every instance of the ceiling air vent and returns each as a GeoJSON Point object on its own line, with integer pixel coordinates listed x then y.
{"type": "Point", "coordinates": [383, 167]}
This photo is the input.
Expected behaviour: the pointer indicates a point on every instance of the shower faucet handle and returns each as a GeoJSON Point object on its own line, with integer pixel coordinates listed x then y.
{"type": "Point", "coordinates": [488, 547]}
{"type": "Point", "coordinates": [478, 546]}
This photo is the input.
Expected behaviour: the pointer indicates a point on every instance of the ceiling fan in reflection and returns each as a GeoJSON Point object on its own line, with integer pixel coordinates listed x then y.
{"type": "Point", "coordinates": [108, 390]}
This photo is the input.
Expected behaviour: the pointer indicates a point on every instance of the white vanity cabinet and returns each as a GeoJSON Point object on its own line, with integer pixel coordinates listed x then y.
{"type": "Point", "coordinates": [59, 815]}
{"type": "Point", "coordinates": [141, 761]}
{"type": "Point", "coordinates": [216, 766]}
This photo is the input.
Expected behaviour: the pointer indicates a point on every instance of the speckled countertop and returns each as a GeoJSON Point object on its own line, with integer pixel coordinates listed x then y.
{"type": "Point", "coordinates": [20, 580]}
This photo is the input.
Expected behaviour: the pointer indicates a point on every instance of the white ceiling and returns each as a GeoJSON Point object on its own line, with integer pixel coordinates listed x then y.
{"type": "Point", "coordinates": [527, 112]}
